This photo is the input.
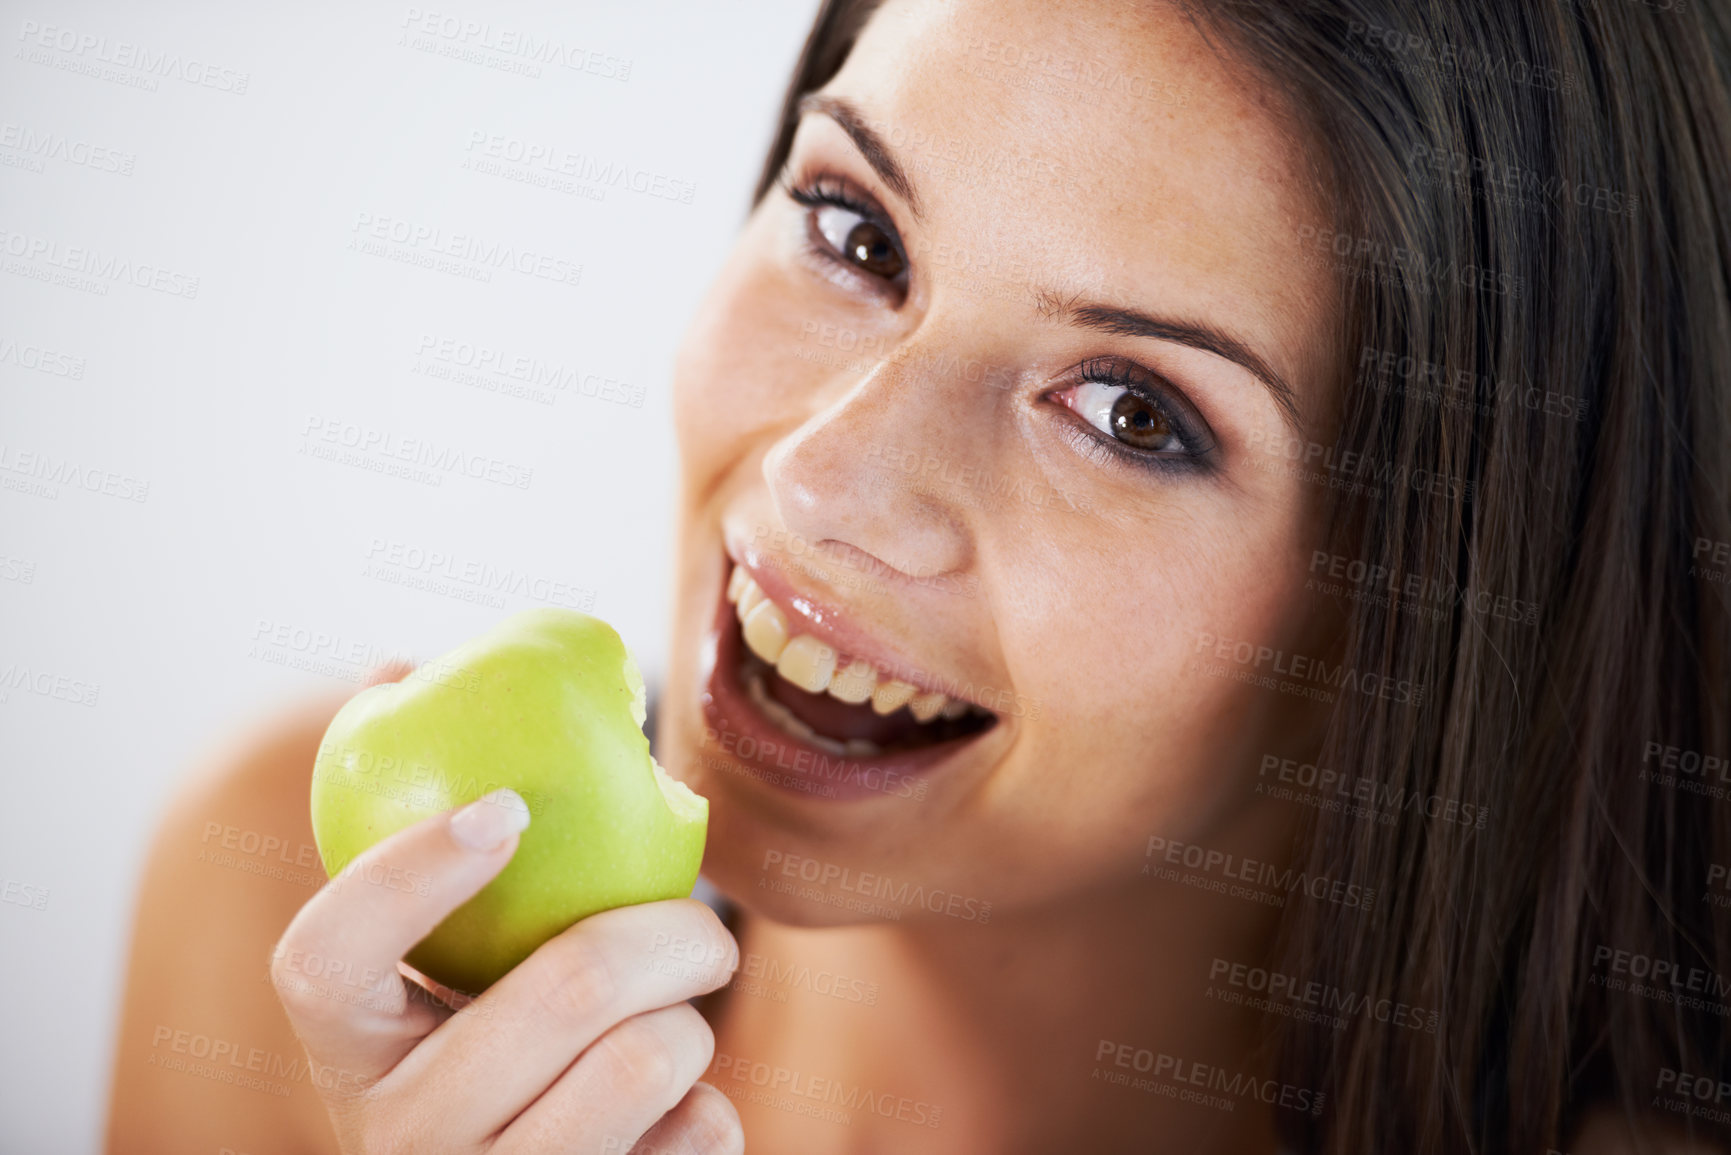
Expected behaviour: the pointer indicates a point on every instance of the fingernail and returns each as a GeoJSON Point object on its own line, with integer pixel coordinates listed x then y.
{"type": "Point", "coordinates": [487, 823]}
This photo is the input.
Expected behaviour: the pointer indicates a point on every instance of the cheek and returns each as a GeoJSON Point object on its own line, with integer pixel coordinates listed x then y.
{"type": "Point", "coordinates": [1132, 736]}
{"type": "Point", "coordinates": [739, 373]}
{"type": "Point", "coordinates": [1104, 639]}
{"type": "Point", "coordinates": [1116, 644]}
{"type": "Point", "coordinates": [721, 386]}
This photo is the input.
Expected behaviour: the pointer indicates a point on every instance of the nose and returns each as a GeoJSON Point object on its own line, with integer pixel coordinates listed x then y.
{"type": "Point", "coordinates": [877, 469]}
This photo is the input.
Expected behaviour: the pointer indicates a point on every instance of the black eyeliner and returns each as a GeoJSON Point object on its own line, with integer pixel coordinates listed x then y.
{"type": "Point", "coordinates": [824, 189]}
{"type": "Point", "coordinates": [833, 190]}
{"type": "Point", "coordinates": [1135, 379]}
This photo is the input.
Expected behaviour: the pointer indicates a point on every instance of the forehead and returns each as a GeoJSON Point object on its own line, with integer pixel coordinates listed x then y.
{"type": "Point", "coordinates": [1104, 148]}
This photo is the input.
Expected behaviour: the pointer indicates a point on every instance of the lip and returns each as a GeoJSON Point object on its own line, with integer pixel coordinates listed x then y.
{"type": "Point", "coordinates": [796, 767]}
{"type": "Point", "coordinates": [826, 623]}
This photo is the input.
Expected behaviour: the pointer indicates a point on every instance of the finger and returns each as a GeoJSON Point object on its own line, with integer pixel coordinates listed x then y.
{"type": "Point", "coordinates": [448, 1000]}
{"type": "Point", "coordinates": [495, 1057]}
{"type": "Point", "coordinates": [704, 1123]}
{"type": "Point", "coordinates": [441, 1001]}
{"type": "Point", "coordinates": [335, 968]}
{"type": "Point", "coordinates": [632, 1076]}
{"type": "Point", "coordinates": [393, 671]}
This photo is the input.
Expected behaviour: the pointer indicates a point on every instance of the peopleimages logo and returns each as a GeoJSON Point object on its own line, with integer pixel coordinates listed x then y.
{"type": "Point", "coordinates": [527, 49]}
{"type": "Point", "coordinates": [469, 579]}
{"type": "Point", "coordinates": [39, 146]}
{"type": "Point", "coordinates": [1515, 183]}
{"type": "Point", "coordinates": [56, 471]}
{"type": "Point", "coordinates": [1287, 994]}
{"type": "Point", "coordinates": [1347, 791]}
{"type": "Point", "coordinates": [1300, 674]}
{"type": "Point", "coordinates": [1717, 564]}
{"type": "Point", "coordinates": [86, 52]}
{"type": "Point", "coordinates": [1661, 979]}
{"type": "Point", "coordinates": [583, 168]}
{"type": "Point", "coordinates": [61, 687]}
{"type": "Point", "coordinates": [416, 783]}
{"type": "Point", "coordinates": [826, 877]}
{"type": "Point", "coordinates": [498, 370]}
{"type": "Point", "coordinates": [817, 1097]}
{"type": "Point", "coordinates": [1365, 257]}
{"type": "Point", "coordinates": [1358, 580]}
{"type": "Point", "coordinates": [434, 248]}
{"type": "Point", "coordinates": [779, 542]}
{"type": "Point", "coordinates": [971, 479]}
{"type": "Point", "coordinates": [1179, 1078]}
{"type": "Point", "coordinates": [1408, 52]}
{"type": "Point", "coordinates": [1718, 877]}
{"type": "Point", "coordinates": [759, 974]}
{"type": "Point", "coordinates": [45, 254]}
{"type": "Point", "coordinates": [1348, 470]}
{"type": "Point", "coordinates": [323, 434]}
{"type": "Point", "coordinates": [228, 1061]}
{"type": "Point", "coordinates": [815, 768]}
{"type": "Point", "coordinates": [1702, 1090]}
{"type": "Point", "coordinates": [332, 654]}
{"type": "Point", "coordinates": [36, 897]}
{"type": "Point", "coordinates": [1273, 883]}
{"type": "Point", "coordinates": [40, 359]}
{"type": "Point", "coordinates": [1461, 388]}
{"type": "Point", "coordinates": [1690, 771]}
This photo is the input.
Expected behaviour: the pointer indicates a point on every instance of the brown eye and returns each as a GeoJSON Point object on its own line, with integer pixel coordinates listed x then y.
{"type": "Point", "coordinates": [873, 251]}
{"type": "Point", "coordinates": [1127, 417]}
{"type": "Point", "coordinates": [1139, 423]}
{"type": "Point", "coordinates": [860, 241]}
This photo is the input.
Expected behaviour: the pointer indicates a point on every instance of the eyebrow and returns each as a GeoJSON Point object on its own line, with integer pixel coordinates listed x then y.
{"type": "Point", "coordinates": [1194, 334]}
{"type": "Point", "coordinates": [1093, 316]}
{"type": "Point", "coordinates": [870, 144]}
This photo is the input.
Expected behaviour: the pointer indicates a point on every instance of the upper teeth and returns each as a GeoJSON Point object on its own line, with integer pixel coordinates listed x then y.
{"type": "Point", "coordinates": [812, 665]}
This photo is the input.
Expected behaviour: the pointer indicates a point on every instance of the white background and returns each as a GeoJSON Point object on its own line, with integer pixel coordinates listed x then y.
{"type": "Point", "coordinates": [180, 613]}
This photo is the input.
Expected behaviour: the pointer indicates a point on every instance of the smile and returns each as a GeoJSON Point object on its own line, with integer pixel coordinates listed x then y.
{"type": "Point", "coordinates": [812, 668]}
{"type": "Point", "coordinates": [820, 714]}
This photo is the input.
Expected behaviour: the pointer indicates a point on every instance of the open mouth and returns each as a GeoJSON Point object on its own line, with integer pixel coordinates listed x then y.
{"type": "Point", "coordinates": [837, 702]}
{"type": "Point", "coordinates": [821, 720]}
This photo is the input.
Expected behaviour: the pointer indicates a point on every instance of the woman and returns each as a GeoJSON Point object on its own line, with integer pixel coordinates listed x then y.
{"type": "Point", "coordinates": [1196, 616]}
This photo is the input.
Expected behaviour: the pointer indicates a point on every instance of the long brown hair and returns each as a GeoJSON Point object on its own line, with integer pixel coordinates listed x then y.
{"type": "Point", "coordinates": [1533, 240]}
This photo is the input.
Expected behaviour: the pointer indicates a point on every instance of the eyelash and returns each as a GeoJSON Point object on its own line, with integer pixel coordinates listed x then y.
{"type": "Point", "coordinates": [828, 189]}
{"type": "Point", "coordinates": [824, 188]}
{"type": "Point", "coordinates": [1198, 449]}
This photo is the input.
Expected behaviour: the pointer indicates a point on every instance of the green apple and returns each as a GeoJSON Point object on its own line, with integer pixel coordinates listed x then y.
{"type": "Point", "coordinates": [550, 704]}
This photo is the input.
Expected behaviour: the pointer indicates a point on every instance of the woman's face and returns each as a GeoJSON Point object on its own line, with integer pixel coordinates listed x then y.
{"type": "Point", "coordinates": [982, 400]}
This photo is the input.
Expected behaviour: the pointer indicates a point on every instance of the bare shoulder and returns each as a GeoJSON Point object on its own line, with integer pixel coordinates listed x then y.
{"type": "Point", "coordinates": [1606, 1132]}
{"type": "Point", "coordinates": [205, 1058]}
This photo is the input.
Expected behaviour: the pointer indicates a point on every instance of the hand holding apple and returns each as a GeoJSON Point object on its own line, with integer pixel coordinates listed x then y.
{"type": "Point", "coordinates": [550, 704]}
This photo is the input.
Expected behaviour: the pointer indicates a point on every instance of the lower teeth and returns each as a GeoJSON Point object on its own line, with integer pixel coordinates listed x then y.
{"type": "Point", "coordinates": [791, 725]}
